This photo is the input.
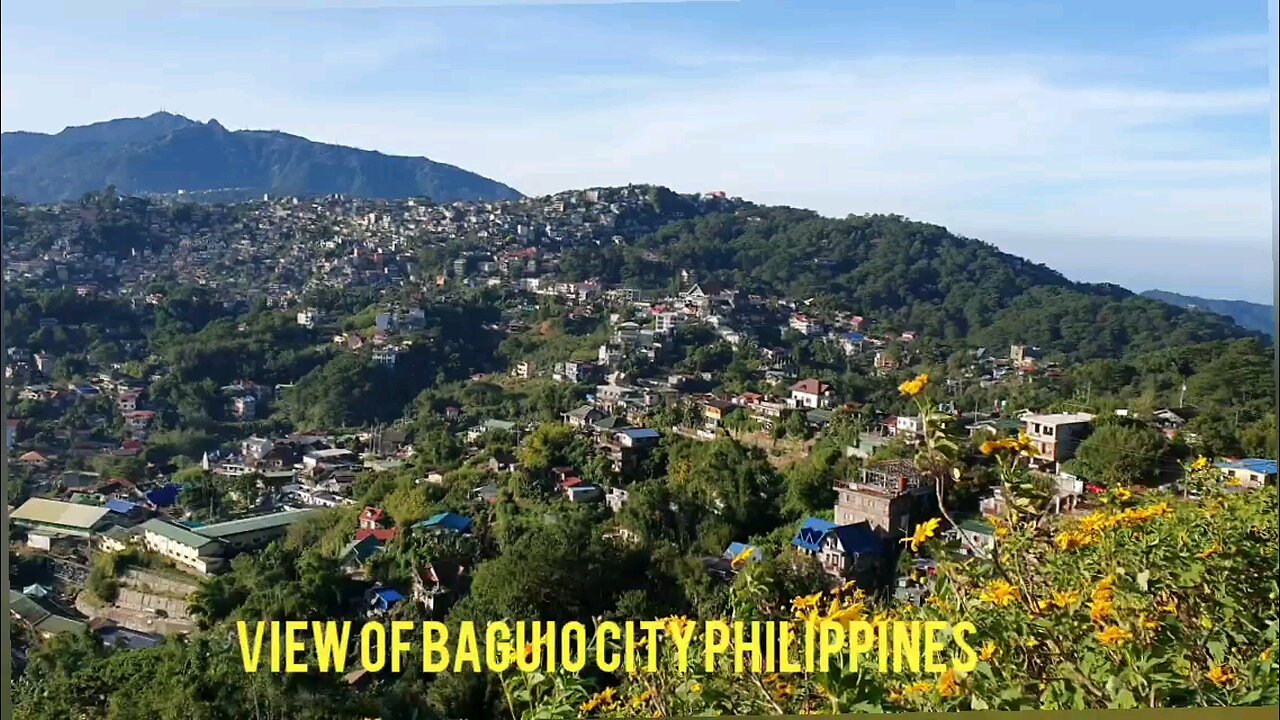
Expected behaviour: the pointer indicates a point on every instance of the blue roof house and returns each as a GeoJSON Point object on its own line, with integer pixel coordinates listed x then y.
{"type": "Point", "coordinates": [1249, 472]}
{"type": "Point", "coordinates": [736, 549]}
{"type": "Point", "coordinates": [851, 551]}
{"type": "Point", "coordinates": [446, 521]}
{"type": "Point", "coordinates": [382, 599]}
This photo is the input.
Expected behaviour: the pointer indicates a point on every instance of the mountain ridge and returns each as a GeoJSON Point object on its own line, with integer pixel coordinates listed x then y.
{"type": "Point", "coordinates": [1248, 315]}
{"type": "Point", "coordinates": [164, 153]}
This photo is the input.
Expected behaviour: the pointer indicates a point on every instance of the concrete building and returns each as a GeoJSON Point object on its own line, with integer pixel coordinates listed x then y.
{"type": "Point", "coordinates": [891, 496]}
{"type": "Point", "coordinates": [1250, 472]}
{"type": "Point", "coordinates": [812, 393]}
{"type": "Point", "coordinates": [183, 546]}
{"type": "Point", "coordinates": [55, 518]}
{"type": "Point", "coordinates": [1056, 436]}
{"type": "Point", "coordinates": [207, 549]}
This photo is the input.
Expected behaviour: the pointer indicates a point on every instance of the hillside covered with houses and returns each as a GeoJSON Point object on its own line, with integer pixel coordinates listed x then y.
{"type": "Point", "coordinates": [610, 402]}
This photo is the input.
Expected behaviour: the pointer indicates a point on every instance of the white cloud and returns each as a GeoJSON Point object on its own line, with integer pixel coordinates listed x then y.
{"type": "Point", "coordinates": [1010, 146]}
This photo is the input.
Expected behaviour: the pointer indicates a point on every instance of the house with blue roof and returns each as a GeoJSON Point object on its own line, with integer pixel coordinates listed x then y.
{"type": "Point", "coordinates": [851, 552]}
{"type": "Point", "coordinates": [736, 549]}
{"type": "Point", "coordinates": [638, 437]}
{"type": "Point", "coordinates": [446, 522]}
{"type": "Point", "coordinates": [382, 599]}
{"type": "Point", "coordinates": [1249, 472]}
{"type": "Point", "coordinates": [852, 342]}
{"type": "Point", "coordinates": [126, 513]}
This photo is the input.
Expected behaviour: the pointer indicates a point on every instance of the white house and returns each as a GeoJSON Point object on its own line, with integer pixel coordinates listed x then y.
{"type": "Point", "coordinates": [812, 393]}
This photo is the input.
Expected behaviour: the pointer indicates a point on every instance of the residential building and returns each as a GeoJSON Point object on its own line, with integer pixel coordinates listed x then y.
{"type": "Point", "coordinates": [582, 417]}
{"type": "Point", "coordinates": [1249, 472]}
{"type": "Point", "coordinates": [812, 393]}
{"type": "Point", "coordinates": [848, 551]}
{"type": "Point", "coordinates": [245, 407]}
{"type": "Point", "coordinates": [446, 522]}
{"type": "Point", "coordinates": [386, 356]}
{"type": "Point", "coordinates": [891, 496]}
{"type": "Point", "coordinates": [1056, 436]}
{"type": "Point", "coordinates": [308, 317]}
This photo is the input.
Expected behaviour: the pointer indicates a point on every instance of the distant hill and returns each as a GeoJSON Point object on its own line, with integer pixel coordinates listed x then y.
{"type": "Point", "coordinates": [1251, 316]}
{"type": "Point", "coordinates": [165, 153]}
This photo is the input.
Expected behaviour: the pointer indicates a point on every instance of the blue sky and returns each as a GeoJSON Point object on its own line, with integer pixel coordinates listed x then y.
{"type": "Point", "coordinates": [1125, 141]}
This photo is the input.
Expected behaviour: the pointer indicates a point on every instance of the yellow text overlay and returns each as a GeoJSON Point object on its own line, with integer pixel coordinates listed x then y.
{"type": "Point", "coordinates": [300, 646]}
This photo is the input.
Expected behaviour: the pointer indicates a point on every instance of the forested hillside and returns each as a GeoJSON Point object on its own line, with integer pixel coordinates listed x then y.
{"type": "Point", "coordinates": [907, 273]}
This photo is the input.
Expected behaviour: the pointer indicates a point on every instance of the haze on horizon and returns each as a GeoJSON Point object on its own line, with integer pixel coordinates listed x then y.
{"type": "Point", "coordinates": [1119, 142]}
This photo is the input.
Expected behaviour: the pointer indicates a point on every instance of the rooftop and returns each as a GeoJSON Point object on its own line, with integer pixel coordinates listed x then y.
{"type": "Point", "coordinates": [1058, 418]}
{"type": "Point", "coordinates": [1261, 466]}
{"type": "Point", "coordinates": [176, 533]}
{"type": "Point", "coordinates": [254, 524]}
{"type": "Point", "coordinates": [54, 512]}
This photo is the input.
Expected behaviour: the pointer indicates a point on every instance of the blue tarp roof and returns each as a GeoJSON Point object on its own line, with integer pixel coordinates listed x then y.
{"type": "Point", "coordinates": [811, 533]}
{"type": "Point", "coordinates": [124, 507]}
{"type": "Point", "coordinates": [164, 496]}
{"type": "Point", "coordinates": [448, 521]}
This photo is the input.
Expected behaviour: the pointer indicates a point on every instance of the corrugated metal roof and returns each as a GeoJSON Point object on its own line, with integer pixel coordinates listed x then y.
{"type": "Point", "coordinates": [252, 524]}
{"type": "Point", "coordinates": [55, 512]}
{"type": "Point", "coordinates": [176, 533]}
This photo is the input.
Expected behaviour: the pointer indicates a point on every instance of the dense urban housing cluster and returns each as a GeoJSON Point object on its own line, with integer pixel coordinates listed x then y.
{"type": "Point", "coordinates": [614, 402]}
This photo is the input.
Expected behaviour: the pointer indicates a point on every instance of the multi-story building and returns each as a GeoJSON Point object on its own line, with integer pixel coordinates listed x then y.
{"type": "Point", "coordinates": [1056, 436]}
{"type": "Point", "coordinates": [812, 393]}
{"type": "Point", "coordinates": [891, 496]}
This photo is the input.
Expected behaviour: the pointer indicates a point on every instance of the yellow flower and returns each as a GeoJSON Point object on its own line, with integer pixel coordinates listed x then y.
{"type": "Point", "coordinates": [1234, 482]}
{"type": "Point", "coordinates": [742, 558]}
{"type": "Point", "coordinates": [1265, 655]}
{"type": "Point", "coordinates": [675, 624]}
{"type": "Point", "coordinates": [1065, 600]}
{"type": "Point", "coordinates": [1068, 540]}
{"type": "Point", "coordinates": [1147, 624]}
{"type": "Point", "coordinates": [989, 447]}
{"type": "Point", "coordinates": [1201, 463]}
{"type": "Point", "coordinates": [1209, 551]}
{"type": "Point", "coordinates": [695, 688]}
{"type": "Point", "coordinates": [949, 684]}
{"type": "Point", "coordinates": [845, 613]}
{"type": "Point", "coordinates": [999, 593]}
{"type": "Point", "coordinates": [602, 700]}
{"type": "Point", "coordinates": [1114, 635]}
{"type": "Point", "coordinates": [1169, 606]}
{"type": "Point", "coordinates": [639, 701]}
{"type": "Point", "coordinates": [806, 602]}
{"type": "Point", "coordinates": [924, 531]}
{"type": "Point", "coordinates": [914, 387]}
{"type": "Point", "coordinates": [1123, 494]}
{"type": "Point", "coordinates": [987, 652]}
{"type": "Point", "coordinates": [917, 688]}
{"type": "Point", "coordinates": [1002, 531]}
{"type": "Point", "coordinates": [1221, 675]}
